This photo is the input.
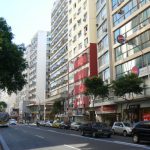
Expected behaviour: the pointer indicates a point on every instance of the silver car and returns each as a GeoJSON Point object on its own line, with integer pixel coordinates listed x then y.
{"type": "Point", "coordinates": [122, 128]}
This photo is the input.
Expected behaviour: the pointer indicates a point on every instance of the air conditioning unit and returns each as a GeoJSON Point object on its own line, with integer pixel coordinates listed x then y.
{"type": "Point", "coordinates": [120, 11]}
{"type": "Point", "coordinates": [105, 30]}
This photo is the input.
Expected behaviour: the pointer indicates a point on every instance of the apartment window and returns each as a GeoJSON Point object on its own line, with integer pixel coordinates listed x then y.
{"type": "Point", "coordinates": [79, 34]}
{"type": "Point", "coordinates": [70, 42]}
{"type": "Point", "coordinates": [79, 22]}
{"type": "Point", "coordinates": [85, 42]}
{"type": "Point", "coordinates": [74, 38]}
{"type": "Point", "coordinates": [74, 5]}
{"type": "Point", "coordinates": [85, 4]}
{"type": "Point", "coordinates": [127, 10]}
{"type": "Point", "coordinates": [79, 11]}
{"type": "Point", "coordinates": [74, 16]}
{"type": "Point", "coordinates": [104, 59]}
{"type": "Point", "coordinates": [103, 44]}
{"type": "Point", "coordinates": [70, 33]}
{"type": "Point", "coordinates": [70, 21]}
{"type": "Point", "coordinates": [99, 4]}
{"type": "Point", "coordinates": [105, 75]}
{"type": "Point", "coordinates": [102, 30]}
{"type": "Point", "coordinates": [70, 1]}
{"type": "Point", "coordinates": [131, 47]}
{"type": "Point", "coordinates": [102, 15]}
{"type": "Point", "coordinates": [74, 27]}
{"type": "Point", "coordinates": [70, 54]}
{"type": "Point", "coordinates": [85, 17]}
{"type": "Point", "coordinates": [140, 21]}
{"type": "Point", "coordinates": [80, 46]}
{"type": "Point", "coordinates": [139, 62]}
{"type": "Point", "coordinates": [74, 50]}
{"type": "Point", "coordinates": [70, 10]}
{"type": "Point", "coordinates": [85, 30]}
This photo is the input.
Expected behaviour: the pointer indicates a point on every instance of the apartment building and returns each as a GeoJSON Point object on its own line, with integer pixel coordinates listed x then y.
{"type": "Point", "coordinates": [130, 21]}
{"type": "Point", "coordinates": [58, 58]}
{"type": "Point", "coordinates": [37, 74]}
{"type": "Point", "coordinates": [123, 43]}
{"type": "Point", "coordinates": [82, 53]}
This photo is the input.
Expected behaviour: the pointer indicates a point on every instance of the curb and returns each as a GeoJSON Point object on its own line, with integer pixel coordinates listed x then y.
{"type": "Point", "coordinates": [3, 145]}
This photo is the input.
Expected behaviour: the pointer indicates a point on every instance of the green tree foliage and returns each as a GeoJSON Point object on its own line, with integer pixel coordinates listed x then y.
{"type": "Point", "coordinates": [3, 106]}
{"type": "Point", "coordinates": [95, 87]}
{"type": "Point", "coordinates": [12, 63]}
{"type": "Point", "coordinates": [129, 84]}
{"type": "Point", "coordinates": [57, 107]}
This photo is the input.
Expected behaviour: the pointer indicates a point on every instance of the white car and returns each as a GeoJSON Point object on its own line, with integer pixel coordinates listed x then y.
{"type": "Point", "coordinates": [122, 128]}
{"type": "Point", "coordinates": [75, 126]}
{"type": "Point", "coordinates": [49, 123]}
{"type": "Point", "coordinates": [12, 122]}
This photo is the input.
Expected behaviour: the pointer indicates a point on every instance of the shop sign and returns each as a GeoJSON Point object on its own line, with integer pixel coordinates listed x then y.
{"type": "Point", "coordinates": [135, 70]}
{"type": "Point", "coordinates": [144, 71]}
{"type": "Point", "coordinates": [146, 117]}
{"type": "Point", "coordinates": [121, 39]}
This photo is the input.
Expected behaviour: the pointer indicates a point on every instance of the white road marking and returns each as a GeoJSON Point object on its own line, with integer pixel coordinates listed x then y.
{"type": "Point", "coordinates": [39, 136]}
{"type": "Point", "coordinates": [72, 147]}
{"type": "Point", "coordinates": [102, 140]}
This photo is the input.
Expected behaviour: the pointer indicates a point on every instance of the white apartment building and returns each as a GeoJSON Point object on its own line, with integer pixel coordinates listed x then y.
{"type": "Point", "coordinates": [58, 65]}
{"type": "Point", "coordinates": [82, 53]}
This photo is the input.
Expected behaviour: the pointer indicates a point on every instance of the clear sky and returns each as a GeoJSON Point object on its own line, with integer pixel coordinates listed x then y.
{"type": "Point", "coordinates": [26, 17]}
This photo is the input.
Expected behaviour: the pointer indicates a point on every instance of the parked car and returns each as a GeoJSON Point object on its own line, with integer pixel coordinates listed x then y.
{"type": "Point", "coordinates": [56, 124]}
{"type": "Point", "coordinates": [42, 123]}
{"type": "Point", "coordinates": [64, 125]}
{"type": "Point", "coordinates": [96, 129]}
{"type": "Point", "coordinates": [75, 125]}
{"type": "Point", "coordinates": [12, 122]}
{"type": "Point", "coordinates": [141, 131]}
{"type": "Point", "coordinates": [49, 123]}
{"type": "Point", "coordinates": [122, 128]}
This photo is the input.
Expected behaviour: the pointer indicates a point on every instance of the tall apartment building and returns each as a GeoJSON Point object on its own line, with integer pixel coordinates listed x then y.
{"type": "Point", "coordinates": [131, 22]}
{"type": "Point", "coordinates": [37, 73]}
{"type": "Point", "coordinates": [82, 52]}
{"type": "Point", "coordinates": [58, 53]}
{"type": "Point", "coordinates": [123, 33]}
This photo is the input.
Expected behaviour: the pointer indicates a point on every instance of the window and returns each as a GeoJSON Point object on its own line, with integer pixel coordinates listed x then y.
{"type": "Point", "coordinates": [70, 21]}
{"type": "Point", "coordinates": [105, 75]}
{"type": "Point", "coordinates": [103, 44]}
{"type": "Point", "coordinates": [79, 22]}
{"type": "Point", "coordinates": [79, 34]}
{"type": "Point", "coordinates": [74, 27]}
{"type": "Point", "coordinates": [74, 50]}
{"type": "Point", "coordinates": [80, 46]}
{"type": "Point", "coordinates": [85, 42]}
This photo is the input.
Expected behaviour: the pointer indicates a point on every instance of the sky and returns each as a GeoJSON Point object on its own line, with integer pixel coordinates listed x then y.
{"type": "Point", "coordinates": [26, 17]}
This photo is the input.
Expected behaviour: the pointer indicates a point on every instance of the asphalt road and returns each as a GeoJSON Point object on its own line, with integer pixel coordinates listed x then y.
{"type": "Point", "coordinates": [24, 137]}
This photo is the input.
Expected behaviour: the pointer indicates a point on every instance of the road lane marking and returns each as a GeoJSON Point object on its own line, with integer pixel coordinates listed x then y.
{"type": "Point", "coordinates": [102, 140]}
{"type": "Point", "coordinates": [39, 136]}
{"type": "Point", "coordinates": [3, 143]}
{"type": "Point", "coordinates": [72, 147]}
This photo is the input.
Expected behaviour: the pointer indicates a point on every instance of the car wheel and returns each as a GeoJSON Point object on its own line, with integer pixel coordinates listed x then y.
{"type": "Point", "coordinates": [109, 135]}
{"type": "Point", "coordinates": [94, 134]}
{"type": "Point", "coordinates": [113, 132]}
{"type": "Point", "coordinates": [136, 138]}
{"type": "Point", "coordinates": [124, 133]}
{"type": "Point", "coordinates": [82, 133]}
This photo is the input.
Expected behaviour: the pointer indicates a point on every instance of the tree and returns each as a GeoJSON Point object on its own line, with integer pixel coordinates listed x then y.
{"type": "Point", "coordinates": [128, 85]}
{"type": "Point", "coordinates": [12, 63]}
{"type": "Point", "coordinates": [3, 106]}
{"type": "Point", "coordinates": [95, 88]}
{"type": "Point", "coordinates": [57, 107]}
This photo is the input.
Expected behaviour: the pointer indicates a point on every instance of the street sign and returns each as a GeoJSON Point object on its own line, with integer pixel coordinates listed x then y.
{"type": "Point", "coordinates": [121, 39]}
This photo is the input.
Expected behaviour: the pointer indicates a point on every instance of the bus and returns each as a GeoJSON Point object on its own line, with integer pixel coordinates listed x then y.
{"type": "Point", "coordinates": [4, 119]}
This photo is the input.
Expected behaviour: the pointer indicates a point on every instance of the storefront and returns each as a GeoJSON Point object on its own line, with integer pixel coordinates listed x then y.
{"type": "Point", "coordinates": [107, 113]}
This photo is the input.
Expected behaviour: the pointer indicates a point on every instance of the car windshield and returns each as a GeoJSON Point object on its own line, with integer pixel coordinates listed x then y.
{"type": "Point", "coordinates": [127, 124]}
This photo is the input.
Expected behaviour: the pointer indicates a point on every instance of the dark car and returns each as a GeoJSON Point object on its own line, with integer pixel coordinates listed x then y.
{"type": "Point", "coordinates": [64, 125]}
{"type": "Point", "coordinates": [96, 129]}
{"type": "Point", "coordinates": [141, 131]}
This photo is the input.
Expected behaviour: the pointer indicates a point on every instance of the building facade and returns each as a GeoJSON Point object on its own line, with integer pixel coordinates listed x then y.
{"type": "Point", "coordinates": [58, 58]}
{"type": "Point", "coordinates": [82, 53]}
{"type": "Point", "coordinates": [37, 74]}
{"type": "Point", "coordinates": [130, 20]}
